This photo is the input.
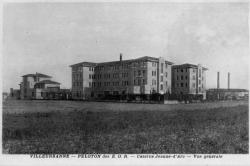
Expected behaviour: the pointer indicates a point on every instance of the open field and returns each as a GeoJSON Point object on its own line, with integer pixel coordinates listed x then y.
{"type": "Point", "coordinates": [91, 127]}
{"type": "Point", "coordinates": [21, 106]}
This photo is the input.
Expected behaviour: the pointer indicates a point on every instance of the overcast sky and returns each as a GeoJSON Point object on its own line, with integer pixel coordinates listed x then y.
{"type": "Point", "coordinates": [48, 37]}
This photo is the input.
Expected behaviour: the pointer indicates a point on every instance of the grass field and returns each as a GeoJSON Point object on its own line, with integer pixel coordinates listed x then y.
{"type": "Point", "coordinates": [79, 127]}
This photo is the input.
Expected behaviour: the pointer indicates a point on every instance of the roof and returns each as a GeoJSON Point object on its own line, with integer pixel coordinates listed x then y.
{"type": "Point", "coordinates": [47, 82]}
{"type": "Point", "coordinates": [37, 75]}
{"type": "Point", "coordinates": [227, 90]}
{"type": "Point", "coordinates": [188, 65]}
{"type": "Point", "coordinates": [144, 58]}
{"type": "Point", "coordinates": [89, 64]}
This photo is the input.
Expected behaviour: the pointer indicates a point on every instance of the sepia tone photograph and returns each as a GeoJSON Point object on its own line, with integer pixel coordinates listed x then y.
{"type": "Point", "coordinates": [125, 78]}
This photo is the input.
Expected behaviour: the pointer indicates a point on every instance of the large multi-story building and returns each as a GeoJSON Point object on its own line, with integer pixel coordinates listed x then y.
{"type": "Point", "coordinates": [189, 79]}
{"type": "Point", "coordinates": [145, 75]}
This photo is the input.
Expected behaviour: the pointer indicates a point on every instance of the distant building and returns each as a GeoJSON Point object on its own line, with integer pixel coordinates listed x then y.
{"type": "Point", "coordinates": [27, 86]}
{"type": "Point", "coordinates": [4, 95]}
{"type": "Point", "coordinates": [141, 76]}
{"type": "Point", "coordinates": [46, 89]}
{"type": "Point", "coordinates": [39, 86]}
{"type": "Point", "coordinates": [189, 80]}
{"type": "Point", "coordinates": [14, 94]}
{"type": "Point", "coordinates": [227, 94]}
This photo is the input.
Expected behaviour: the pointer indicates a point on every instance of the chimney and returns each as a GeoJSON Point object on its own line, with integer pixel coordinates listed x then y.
{"type": "Point", "coordinates": [218, 80]}
{"type": "Point", "coordinates": [120, 57]}
{"type": "Point", "coordinates": [228, 80]}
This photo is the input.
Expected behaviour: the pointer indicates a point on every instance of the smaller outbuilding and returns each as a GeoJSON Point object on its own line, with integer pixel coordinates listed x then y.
{"type": "Point", "coordinates": [227, 94]}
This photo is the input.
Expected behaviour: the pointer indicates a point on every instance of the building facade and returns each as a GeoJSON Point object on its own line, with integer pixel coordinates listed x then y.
{"type": "Point", "coordinates": [141, 76]}
{"type": "Point", "coordinates": [189, 79]}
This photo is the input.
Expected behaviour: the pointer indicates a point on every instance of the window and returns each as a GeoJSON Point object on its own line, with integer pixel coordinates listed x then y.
{"type": "Point", "coordinates": [153, 82]}
{"type": "Point", "coordinates": [134, 82]}
{"type": "Point", "coordinates": [186, 84]}
{"type": "Point", "coordinates": [143, 81]}
{"type": "Point", "coordinates": [161, 78]}
{"type": "Point", "coordinates": [89, 68]}
{"type": "Point", "coordinates": [181, 77]}
{"type": "Point", "coordinates": [177, 77]}
{"type": "Point", "coordinates": [144, 73]}
{"type": "Point", "coordinates": [186, 77]}
{"type": "Point", "coordinates": [181, 84]}
{"type": "Point", "coordinates": [181, 70]}
{"type": "Point", "coordinates": [139, 73]}
{"type": "Point", "coordinates": [161, 87]}
{"type": "Point", "coordinates": [166, 83]}
{"type": "Point", "coordinates": [193, 70]}
{"type": "Point", "coordinates": [153, 73]}
{"type": "Point", "coordinates": [166, 74]}
{"type": "Point", "coordinates": [139, 82]}
{"type": "Point", "coordinates": [199, 82]}
{"type": "Point", "coordinates": [90, 76]}
{"type": "Point", "coordinates": [161, 67]}
{"type": "Point", "coordinates": [193, 85]}
{"type": "Point", "coordinates": [193, 77]}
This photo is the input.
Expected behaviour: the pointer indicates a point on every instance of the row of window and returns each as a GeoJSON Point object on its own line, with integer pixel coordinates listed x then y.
{"type": "Point", "coordinates": [154, 64]}
{"type": "Point", "coordinates": [186, 85]}
{"type": "Point", "coordinates": [77, 84]}
{"type": "Point", "coordinates": [115, 75]}
{"type": "Point", "coordinates": [140, 82]}
{"type": "Point", "coordinates": [182, 77]}
{"type": "Point", "coordinates": [182, 84]}
{"type": "Point", "coordinates": [77, 76]}
{"type": "Point", "coordinates": [140, 73]}
{"type": "Point", "coordinates": [116, 83]}
{"type": "Point", "coordinates": [77, 69]}
{"type": "Point", "coordinates": [153, 73]}
{"type": "Point", "coordinates": [186, 77]}
{"type": "Point", "coordinates": [154, 83]}
{"type": "Point", "coordinates": [91, 68]}
{"type": "Point", "coordinates": [118, 67]}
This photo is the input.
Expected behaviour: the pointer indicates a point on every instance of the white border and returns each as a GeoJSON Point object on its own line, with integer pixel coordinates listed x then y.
{"type": "Point", "coordinates": [228, 159]}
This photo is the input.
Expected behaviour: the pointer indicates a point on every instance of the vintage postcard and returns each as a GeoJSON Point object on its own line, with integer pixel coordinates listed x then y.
{"type": "Point", "coordinates": [127, 82]}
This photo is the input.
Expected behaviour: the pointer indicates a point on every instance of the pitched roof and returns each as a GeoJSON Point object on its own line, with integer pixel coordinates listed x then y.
{"type": "Point", "coordinates": [47, 82]}
{"type": "Point", "coordinates": [147, 58]}
{"type": "Point", "coordinates": [37, 75]}
{"type": "Point", "coordinates": [188, 65]}
{"type": "Point", "coordinates": [90, 64]}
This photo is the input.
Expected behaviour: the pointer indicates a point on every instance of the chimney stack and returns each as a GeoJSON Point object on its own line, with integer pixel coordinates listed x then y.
{"type": "Point", "coordinates": [120, 57]}
{"type": "Point", "coordinates": [228, 80]}
{"type": "Point", "coordinates": [218, 80]}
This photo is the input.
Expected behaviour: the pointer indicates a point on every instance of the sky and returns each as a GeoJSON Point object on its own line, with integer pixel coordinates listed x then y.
{"type": "Point", "coordinates": [49, 37]}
